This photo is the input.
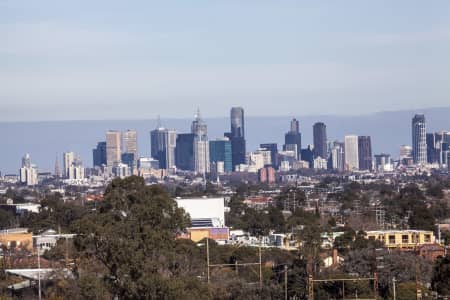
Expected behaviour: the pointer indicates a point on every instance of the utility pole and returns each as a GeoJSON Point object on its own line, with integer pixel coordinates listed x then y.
{"type": "Point", "coordinates": [39, 273]}
{"type": "Point", "coordinates": [393, 287]}
{"type": "Point", "coordinates": [285, 282]}
{"type": "Point", "coordinates": [207, 260]}
{"type": "Point", "coordinates": [260, 269]}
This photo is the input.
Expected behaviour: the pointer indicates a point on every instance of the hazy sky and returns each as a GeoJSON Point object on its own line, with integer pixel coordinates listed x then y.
{"type": "Point", "coordinates": [137, 59]}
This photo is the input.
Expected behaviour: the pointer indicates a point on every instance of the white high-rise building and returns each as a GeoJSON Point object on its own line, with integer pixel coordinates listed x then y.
{"type": "Point", "coordinates": [76, 172]}
{"type": "Point", "coordinates": [68, 160]}
{"type": "Point", "coordinates": [337, 156]}
{"type": "Point", "coordinates": [419, 142]}
{"type": "Point", "coordinates": [28, 172]}
{"type": "Point", "coordinates": [130, 145]}
{"type": "Point", "coordinates": [201, 145]}
{"type": "Point", "coordinates": [351, 152]}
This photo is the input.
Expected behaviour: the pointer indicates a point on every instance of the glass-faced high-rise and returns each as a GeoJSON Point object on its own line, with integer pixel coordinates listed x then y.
{"type": "Point", "coordinates": [320, 140]}
{"type": "Point", "coordinates": [163, 143]}
{"type": "Point", "coordinates": [365, 152]}
{"type": "Point", "coordinates": [419, 143]}
{"type": "Point", "coordinates": [220, 151]}
{"type": "Point", "coordinates": [294, 137]}
{"type": "Point", "coordinates": [237, 136]}
{"type": "Point", "coordinates": [99, 154]}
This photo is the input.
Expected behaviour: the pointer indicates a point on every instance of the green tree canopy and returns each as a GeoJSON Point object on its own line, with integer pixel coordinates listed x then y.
{"type": "Point", "coordinates": [133, 236]}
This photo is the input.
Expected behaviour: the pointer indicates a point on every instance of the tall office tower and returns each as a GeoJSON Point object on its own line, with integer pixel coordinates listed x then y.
{"type": "Point", "coordinates": [237, 136]}
{"type": "Point", "coordinates": [171, 144]}
{"type": "Point", "coordinates": [184, 152]}
{"type": "Point", "coordinates": [351, 152]}
{"type": "Point", "coordinates": [68, 160]}
{"type": "Point", "coordinates": [57, 174]}
{"type": "Point", "coordinates": [237, 122]}
{"type": "Point", "coordinates": [294, 137]}
{"type": "Point", "coordinates": [201, 145]}
{"type": "Point", "coordinates": [99, 155]}
{"type": "Point", "coordinates": [130, 144]}
{"type": "Point", "coordinates": [419, 143]}
{"type": "Point", "coordinates": [433, 147]}
{"type": "Point", "coordinates": [365, 153]}
{"type": "Point", "coordinates": [113, 147]}
{"type": "Point", "coordinates": [320, 140]}
{"type": "Point", "coordinates": [220, 151]}
{"type": "Point", "coordinates": [273, 148]}
{"type": "Point", "coordinates": [28, 172]}
{"type": "Point", "coordinates": [337, 156]}
{"type": "Point", "coordinates": [163, 143]}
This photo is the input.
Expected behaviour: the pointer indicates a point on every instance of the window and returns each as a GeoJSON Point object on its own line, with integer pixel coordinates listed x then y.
{"type": "Point", "coordinates": [427, 238]}
{"type": "Point", "coordinates": [405, 239]}
{"type": "Point", "coordinates": [392, 239]}
{"type": "Point", "coordinates": [415, 238]}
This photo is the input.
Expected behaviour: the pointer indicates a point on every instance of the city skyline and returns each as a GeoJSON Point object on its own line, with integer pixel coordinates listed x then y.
{"type": "Point", "coordinates": [56, 142]}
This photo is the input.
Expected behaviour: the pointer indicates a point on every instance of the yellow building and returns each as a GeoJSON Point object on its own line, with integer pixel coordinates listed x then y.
{"type": "Point", "coordinates": [403, 239]}
{"type": "Point", "coordinates": [16, 238]}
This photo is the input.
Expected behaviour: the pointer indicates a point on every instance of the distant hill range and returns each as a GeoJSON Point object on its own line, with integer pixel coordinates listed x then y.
{"type": "Point", "coordinates": [45, 140]}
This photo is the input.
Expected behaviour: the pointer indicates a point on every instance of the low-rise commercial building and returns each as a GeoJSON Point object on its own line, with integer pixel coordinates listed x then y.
{"type": "Point", "coordinates": [402, 239]}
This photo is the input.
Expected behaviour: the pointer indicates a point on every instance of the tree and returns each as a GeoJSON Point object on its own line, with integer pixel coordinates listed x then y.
{"type": "Point", "coordinates": [53, 214]}
{"type": "Point", "coordinates": [7, 219]}
{"type": "Point", "coordinates": [441, 275]}
{"type": "Point", "coordinates": [132, 235]}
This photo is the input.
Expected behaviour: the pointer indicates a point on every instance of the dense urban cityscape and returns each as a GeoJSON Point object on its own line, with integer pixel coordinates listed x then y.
{"type": "Point", "coordinates": [324, 220]}
{"type": "Point", "coordinates": [224, 150]}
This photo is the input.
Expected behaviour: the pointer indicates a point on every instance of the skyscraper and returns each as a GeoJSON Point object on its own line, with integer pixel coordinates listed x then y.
{"type": "Point", "coordinates": [351, 152]}
{"type": "Point", "coordinates": [237, 136]}
{"type": "Point", "coordinates": [237, 122]}
{"type": "Point", "coordinates": [419, 143]}
{"type": "Point", "coordinates": [434, 141]}
{"type": "Point", "coordinates": [201, 145]}
{"type": "Point", "coordinates": [28, 172]}
{"type": "Point", "coordinates": [130, 146]}
{"type": "Point", "coordinates": [68, 160]}
{"type": "Point", "coordinates": [337, 156]}
{"type": "Point", "coordinates": [320, 140]}
{"type": "Point", "coordinates": [294, 137]}
{"type": "Point", "coordinates": [113, 147]}
{"type": "Point", "coordinates": [220, 151]}
{"type": "Point", "coordinates": [99, 154]}
{"type": "Point", "coordinates": [184, 151]}
{"type": "Point", "coordinates": [365, 153]}
{"type": "Point", "coordinates": [163, 143]}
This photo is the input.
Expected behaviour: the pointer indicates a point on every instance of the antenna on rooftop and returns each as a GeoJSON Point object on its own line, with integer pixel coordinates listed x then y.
{"type": "Point", "coordinates": [158, 121]}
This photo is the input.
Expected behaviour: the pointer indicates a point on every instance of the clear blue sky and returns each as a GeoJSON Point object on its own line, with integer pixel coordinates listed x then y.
{"type": "Point", "coordinates": [137, 59]}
